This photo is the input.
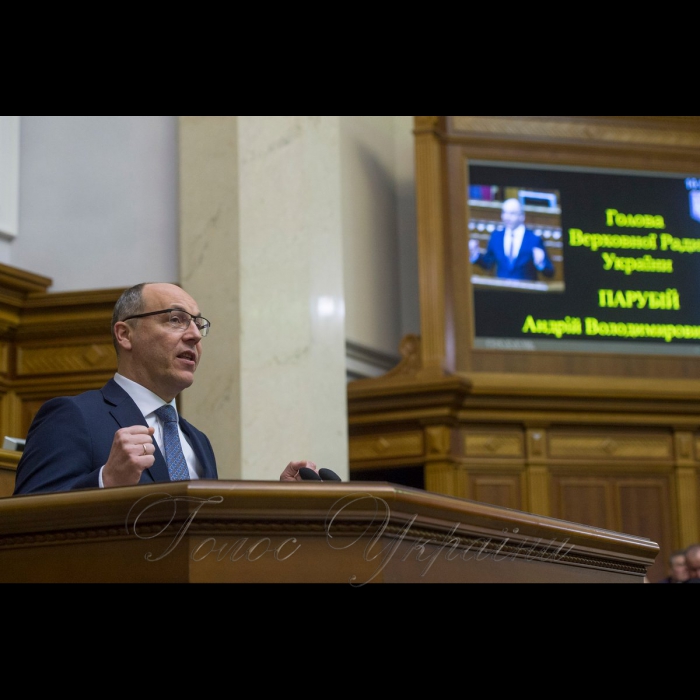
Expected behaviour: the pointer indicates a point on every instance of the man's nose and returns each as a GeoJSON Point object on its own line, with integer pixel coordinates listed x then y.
{"type": "Point", "coordinates": [193, 329]}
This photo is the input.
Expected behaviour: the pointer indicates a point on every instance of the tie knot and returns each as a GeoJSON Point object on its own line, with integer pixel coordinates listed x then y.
{"type": "Point", "coordinates": [166, 414]}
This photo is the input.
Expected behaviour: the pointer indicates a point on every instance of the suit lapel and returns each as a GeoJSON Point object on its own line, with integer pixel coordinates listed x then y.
{"type": "Point", "coordinates": [501, 251]}
{"type": "Point", "coordinates": [196, 444]}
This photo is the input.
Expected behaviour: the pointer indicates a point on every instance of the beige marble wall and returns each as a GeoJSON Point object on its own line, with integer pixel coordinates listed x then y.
{"type": "Point", "coordinates": [261, 252]}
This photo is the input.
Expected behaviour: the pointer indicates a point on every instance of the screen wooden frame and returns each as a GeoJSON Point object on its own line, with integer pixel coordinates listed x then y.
{"type": "Point", "coordinates": [444, 148]}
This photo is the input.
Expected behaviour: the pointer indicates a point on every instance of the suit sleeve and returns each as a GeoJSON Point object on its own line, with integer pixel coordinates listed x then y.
{"type": "Point", "coordinates": [58, 454]}
{"type": "Point", "coordinates": [547, 268]}
{"type": "Point", "coordinates": [488, 259]}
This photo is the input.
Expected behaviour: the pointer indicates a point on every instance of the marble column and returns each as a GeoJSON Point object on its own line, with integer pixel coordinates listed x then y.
{"type": "Point", "coordinates": [261, 252]}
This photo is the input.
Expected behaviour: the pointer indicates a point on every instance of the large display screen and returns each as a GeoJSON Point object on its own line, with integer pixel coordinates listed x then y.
{"type": "Point", "coordinates": [584, 260]}
{"type": "Point", "coordinates": [608, 261]}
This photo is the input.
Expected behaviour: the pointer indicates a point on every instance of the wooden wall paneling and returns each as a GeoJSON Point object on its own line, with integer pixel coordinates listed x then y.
{"type": "Point", "coordinates": [605, 444]}
{"type": "Point", "coordinates": [441, 470]}
{"type": "Point", "coordinates": [493, 463]}
{"type": "Point", "coordinates": [501, 487]}
{"type": "Point", "coordinates": [8, 468]}
{"type": "Point", "coordinates": [375, 449]}
{"type": "Point", "coordinates": [585, 499]}
{"type": "Point", "coordinates": [644, 509]}
{"type": "Point", "coordinates": [688, 499]}
{"type": "Point", "coordinates": [669, 144]}
{"type": "Point", "coordinates": [538, 490]}
{"type": "Point", "coordinates": [567, 463]}
{"type": "Point", "coordinates": [537, 475]}
{"type": "Point", "coordinates": [441, 477]}
{"type": "Point", "coordinates": [51, 344]}
{"type": "Point", "coordinates": [11, 416]}
{"type": "Point", "coordinates": [56, 356]}
{"type": "Point", "coordinates": [5, 359]}
{"type": "Point", "coordinates": [430, 204]}
{"type": "Point", "coordinates": [619, 502]}
{"type": "Point", "coordinates": [493, 442]}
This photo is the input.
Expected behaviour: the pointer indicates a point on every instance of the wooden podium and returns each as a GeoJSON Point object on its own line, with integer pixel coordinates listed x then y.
{"type": "Point", "coordinates": [351, 533]}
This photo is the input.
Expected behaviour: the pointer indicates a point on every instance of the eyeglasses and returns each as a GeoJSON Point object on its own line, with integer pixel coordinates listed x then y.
{"type": "Point", "coordinates": [179, 320]}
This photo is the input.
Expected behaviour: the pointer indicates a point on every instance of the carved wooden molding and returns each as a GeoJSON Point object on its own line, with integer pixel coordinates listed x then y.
{"type": "Point", "coordinates": [51, 344]}
{"type": "Point", "coordinates": [618, 446]}
{"type": "Point", "coordinates": [615, 131]}
{"type": "Point", "coordinates": [493, 444]}
{"type": "Point", "coordinates": [411, 360]}
{"type": "Point", "coordinates": [423, 124]}
{"type": "Point", "coordinates": [431, 248]}
{"type": "Point", "coordinates": [688, 495]}
{"type": "Point", "coordinates": [437, 439]}
{"type": "Point", "coordinates": [12, 279]}
{"type": "Point", "coordinates": [65, 359]}
{"type": "Point", "coordinates": [386, 445]}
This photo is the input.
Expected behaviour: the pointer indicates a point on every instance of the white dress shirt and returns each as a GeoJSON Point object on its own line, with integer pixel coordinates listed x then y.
{"type": "Point", "coordinates": [513, 240]}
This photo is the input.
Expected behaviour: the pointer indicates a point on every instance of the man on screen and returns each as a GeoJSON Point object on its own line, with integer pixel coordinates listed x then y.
{"type": "Point", "coordinates": [517, 252]}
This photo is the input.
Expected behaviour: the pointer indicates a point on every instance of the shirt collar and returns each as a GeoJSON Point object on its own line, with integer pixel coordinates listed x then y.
{"type": "Point", "coordinates": [145, 399]}
{"type": "Point", "coordinates": [518, 231]}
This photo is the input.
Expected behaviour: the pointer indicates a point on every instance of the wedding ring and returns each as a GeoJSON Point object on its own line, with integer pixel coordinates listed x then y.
{"type": "Point", "coordinates": [144, 449]}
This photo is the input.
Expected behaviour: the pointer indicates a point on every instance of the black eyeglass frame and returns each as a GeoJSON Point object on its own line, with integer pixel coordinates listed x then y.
{"type": "Point", "coordinates": [203, 329]}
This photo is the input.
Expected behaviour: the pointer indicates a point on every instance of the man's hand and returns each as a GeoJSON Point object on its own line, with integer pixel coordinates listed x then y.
{"type": "Point", "coordinates": [132, 452]}
{"type": "Point", "coordinates": [473, 248]}
{"type": "Point", "coordinates": [291, 471]}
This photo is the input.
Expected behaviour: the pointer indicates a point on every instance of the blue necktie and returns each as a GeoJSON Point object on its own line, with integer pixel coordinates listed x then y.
{"type": "Point", "coordinates": [174, 458]}
{"type": "Point", "coordinates": [509, 245]}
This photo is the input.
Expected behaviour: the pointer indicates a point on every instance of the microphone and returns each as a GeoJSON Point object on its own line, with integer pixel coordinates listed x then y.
{"type": "Point", "coordinates": [309, 474]}
{"type": "Point", "coordinates": [328, 475]}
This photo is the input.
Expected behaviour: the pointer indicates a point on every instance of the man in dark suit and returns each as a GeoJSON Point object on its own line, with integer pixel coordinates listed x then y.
{"type": "Point", "coordinates": [112, 436]}
{"type": "Point", "coordinates": [517, 252]}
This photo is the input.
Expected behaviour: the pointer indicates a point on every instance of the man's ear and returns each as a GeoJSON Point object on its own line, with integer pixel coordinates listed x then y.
{"type": "Point", "coordinates": [122, 331]}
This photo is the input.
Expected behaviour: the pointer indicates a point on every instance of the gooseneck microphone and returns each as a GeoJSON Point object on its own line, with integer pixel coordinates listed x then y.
{"type": "Point", "coordinates": [322, 475]}
{"type": "Point", "coordinates": [328, 475]}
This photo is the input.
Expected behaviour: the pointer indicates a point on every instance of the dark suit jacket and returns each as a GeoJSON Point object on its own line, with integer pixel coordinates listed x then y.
{"type": "Point", "coordinates": [523, 267]}
{"type": "Point", "coordinates": [71, 436]}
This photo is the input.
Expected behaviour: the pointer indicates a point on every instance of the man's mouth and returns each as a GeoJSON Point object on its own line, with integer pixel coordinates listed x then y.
{"type": "Point", "coordinates": [189, 356]}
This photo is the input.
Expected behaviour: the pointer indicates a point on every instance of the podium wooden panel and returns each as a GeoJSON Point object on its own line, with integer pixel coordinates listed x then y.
{"type": "Point", "coordinates": [351, 533]}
